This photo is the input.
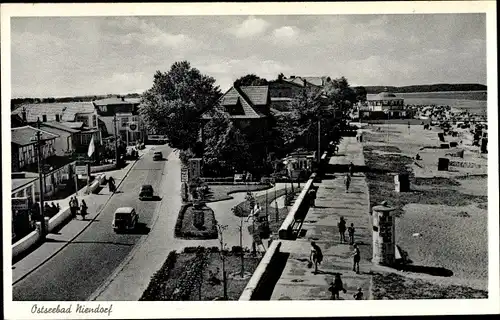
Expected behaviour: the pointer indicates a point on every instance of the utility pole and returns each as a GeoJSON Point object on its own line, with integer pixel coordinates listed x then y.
{"type": "Point", "coordinates": [39, 142]}
{"type": "Point", "coordinates": [116, 141]}
{"type": "Point", "coordinates": [319, 141]}
{"type": "Point", "coordinates": [276, 204]}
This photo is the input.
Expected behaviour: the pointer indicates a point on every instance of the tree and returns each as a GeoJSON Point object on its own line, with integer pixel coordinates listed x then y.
{"type": "Point", "coordinates": [250, 80]}
{"type": "Point", "coordinates": [360, 93]}
{"type": "Point", "coordinates": [173, 105]}
{"type": "Point", "coordinates": [226, 149]}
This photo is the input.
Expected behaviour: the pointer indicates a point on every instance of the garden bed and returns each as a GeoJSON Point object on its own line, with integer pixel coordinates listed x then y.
{"type": "Point", "coordinates": [196, 275]}
{"type": "Point", "coordinates": [185, 226]}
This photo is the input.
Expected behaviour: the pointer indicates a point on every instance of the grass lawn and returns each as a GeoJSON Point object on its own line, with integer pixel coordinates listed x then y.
{"type": "Point", "coordinates": [188, 278]}
{"type": "Point", "coordinates": [222, 192]}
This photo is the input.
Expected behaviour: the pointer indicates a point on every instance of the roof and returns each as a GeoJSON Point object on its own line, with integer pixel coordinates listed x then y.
{"type": "Point", "coordinates": [73, 125]}
{"type": "Point", "coordinates": [247, 96]}
{"type": "Point", "coordinates": [316, 81]}
{"type": "Point", "coordinates": [17, 183]}
{"type": "Point", "coordinates": [66, 110]}
{"type": "Point", "coordinates": [124, 210]}
{"type": "Point", "coordinates": [116, 100]}
{"type": "Point", "coordinates": [257, 94]}
{"type": "Point", "coordinates": [22, 135]}
{"type": "Point", "coordinates": [59, 126]}
{"type": "Point", "coordinates": [384, 96]}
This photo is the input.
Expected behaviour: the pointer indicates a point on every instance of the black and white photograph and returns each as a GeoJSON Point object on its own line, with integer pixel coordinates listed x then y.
{"type": "Point", "coordinates": [278, 155]}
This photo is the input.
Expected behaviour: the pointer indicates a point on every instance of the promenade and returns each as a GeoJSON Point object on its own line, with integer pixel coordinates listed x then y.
{"type": "Point", "coordinates": [298, 282]}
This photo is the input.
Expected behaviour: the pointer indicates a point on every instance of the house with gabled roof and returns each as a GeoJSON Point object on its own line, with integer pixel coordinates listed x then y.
{"type": "Point", "coordinates": [23, 146]}
{"type": "Point", "coordinates": [245, 105]}
{"type": "Point", "coordinates": [284, 90]}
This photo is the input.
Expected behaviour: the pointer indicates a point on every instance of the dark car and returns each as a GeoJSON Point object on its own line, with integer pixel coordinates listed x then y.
{"type": "Point", "coordinates": [157, 156]}
{"type": "Point", "coordinates": [146, 192]}
{"type": "Point", "coordinates": [125, 219]}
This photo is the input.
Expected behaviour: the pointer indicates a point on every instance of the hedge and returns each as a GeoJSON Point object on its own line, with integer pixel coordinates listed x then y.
{"type": "Point", "coordinates": [154, 289]}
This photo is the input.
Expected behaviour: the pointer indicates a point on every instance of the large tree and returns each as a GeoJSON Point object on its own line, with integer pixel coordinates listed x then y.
{"type": "Point", "coordinates": [329, 106]}
{"type": "Point", "coordinates": [226, 149]}
{"type": "Point", "coordinates": [250, 80]}
{"type": "Point", "coordinates": [173, 105]}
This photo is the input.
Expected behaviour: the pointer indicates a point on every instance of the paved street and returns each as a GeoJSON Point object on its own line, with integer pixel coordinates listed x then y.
{"type": "Point", "coordinates": [85, 262]}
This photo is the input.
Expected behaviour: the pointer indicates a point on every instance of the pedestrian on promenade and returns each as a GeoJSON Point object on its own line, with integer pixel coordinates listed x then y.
{"type": "Point", "coordinates": [72, 207]}
{"type": "Point", "coordinates": [336, 286]}
{"type": "Point", "coordinates": [350, 231]}
{"type": "Point", "coordinates": [351, 169]}
{"type": "Point", "coordinates": [347, 182]}
{"type": "Point", "coordinates": [316, 256]}
{"type": "Point", "coordinates": [312, 197]}
{"type": "Point", "coordinates": [358, 295]}
{"type": "Point", "coordinates": [83, 210]}
{"type": "Point", "coordinates": [342, 227]}
{"type": "Point", "coordinates": [356, 257]}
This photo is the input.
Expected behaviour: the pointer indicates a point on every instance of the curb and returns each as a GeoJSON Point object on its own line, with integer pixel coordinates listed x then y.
{"type": "Point", "coordinates": [97, 293]}
{"type": "Point", "coordinates": [79, 233]}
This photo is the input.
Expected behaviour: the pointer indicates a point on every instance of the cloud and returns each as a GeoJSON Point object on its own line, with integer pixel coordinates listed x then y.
{"type": "Point", "coordinates": [250, 27]}
{"type": "Point", "coordinates": [227, 71]}
{"type": "Point", "coordinates": [286, 32]}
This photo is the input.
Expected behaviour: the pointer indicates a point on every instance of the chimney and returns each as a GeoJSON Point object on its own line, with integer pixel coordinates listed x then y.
{"type": "Point", "coordinates": [57, 117]}
{"type": "Point", "coordinates": [123, 98]}
{"type": "Point", "coordinates": [292, 77]}
{"type": "Point", "coordinates": [24, 115]}
{"type": "Point", "coordinates": [305, 83]}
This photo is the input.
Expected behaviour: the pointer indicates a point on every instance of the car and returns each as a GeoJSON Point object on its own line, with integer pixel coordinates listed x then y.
{"type": "Point", "coordinates": [157, 156]}
{"type": "Point", "coordinates": [146, 192]}
{"type": "Point", "coordinates": [125, 219]}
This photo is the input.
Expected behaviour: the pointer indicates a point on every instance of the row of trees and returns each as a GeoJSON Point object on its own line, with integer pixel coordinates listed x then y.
{"type": "Point", "coordinates": [174, 104]}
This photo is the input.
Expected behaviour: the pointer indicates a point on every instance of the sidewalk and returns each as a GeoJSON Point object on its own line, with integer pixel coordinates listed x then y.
{"type": "Point", "coordinates": [298, 282]}
{"type": "Point", "coordinates": [57, 240]}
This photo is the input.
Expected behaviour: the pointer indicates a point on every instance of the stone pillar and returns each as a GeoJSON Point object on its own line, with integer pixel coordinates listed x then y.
{"type": "Point", "coordinates": [384, 235]}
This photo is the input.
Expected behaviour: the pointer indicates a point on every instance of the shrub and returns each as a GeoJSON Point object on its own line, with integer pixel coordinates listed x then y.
{"type": "Point", "coordinates": [236, 249]}
{"type": "Point", "coordinates": [155, 286]}
{"type": "Point", "coordinates": [199, 219]}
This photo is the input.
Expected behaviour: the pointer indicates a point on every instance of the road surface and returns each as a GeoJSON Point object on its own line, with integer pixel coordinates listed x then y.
{"type": "Point", "coordinates": [75, 272]}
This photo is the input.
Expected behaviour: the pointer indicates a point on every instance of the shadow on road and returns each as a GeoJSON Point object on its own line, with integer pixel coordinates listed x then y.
{"type": "Point", "coordinates": [433, 271]}
{"type": "Point", "coordinates": [140, 228]}
{"type": "Point", "coordinates": [154, 198]}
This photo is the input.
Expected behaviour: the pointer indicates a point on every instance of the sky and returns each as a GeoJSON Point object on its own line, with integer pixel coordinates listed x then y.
{"type": "Point", "coordinates": [68, 56]}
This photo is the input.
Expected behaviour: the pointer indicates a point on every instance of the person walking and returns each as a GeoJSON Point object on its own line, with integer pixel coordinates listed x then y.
{"type": "Point", "coordinates": [72, 207]}
{"type": "Point", "coordinates": [336, 286]}
{"type": "Point", "coordinates": [356, 257]}
{"type": "Point", "coordinates": [347, 182]}
{"type": "Point", "coordinates": [350, 231]}
{"type": "Point", "coordinates": [341, 225]}
{"type": "Point", "coordinates": [358, 295]}
{"type": "Point", "coordinates": [351, 169]}
{"type": "Point", "coordinates": [316, 256]}
{"type": "Point", "coordinates": [83, 210]}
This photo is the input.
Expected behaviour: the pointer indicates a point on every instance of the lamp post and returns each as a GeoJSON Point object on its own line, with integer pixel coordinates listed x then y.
{"type": "Point", "coordinates": [39, 143]}
{"type": "Point", "coordinates": [116, 140]}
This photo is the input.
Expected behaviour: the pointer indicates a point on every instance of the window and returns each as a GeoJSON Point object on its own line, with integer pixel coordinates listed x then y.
{"type": "Point", "coordinates": [94, 120]}
{"type": "Point", "coordinates": [83, 119]}
{"type": "Point", "coordinates": [135, 119]}
{"type": "Point", "coordinates": [103, 108]}
{"type": "Point", "coordinates": [124, 121]}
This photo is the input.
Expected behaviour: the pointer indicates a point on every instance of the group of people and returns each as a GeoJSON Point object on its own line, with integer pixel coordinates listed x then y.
{"type": "Point", "coordinates": [74, 207]}
{"type": "Point", "coordinates": [51, 210]}
{"type": "Point", "coordinates": [336, 286]}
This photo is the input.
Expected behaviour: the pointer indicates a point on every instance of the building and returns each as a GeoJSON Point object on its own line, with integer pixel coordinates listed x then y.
{"type": "Point", "coordinates": [75, 115]}
{"type": "Point", "coordinates": [385, 105]}
{"type": "Point", "coordinates": [284, 90]}
{"type": "Point", "coordinates": [299, 165]}
{"type": "Point", "coordinates": [246, 106]}
{"type": "Point", "coordinates": [24, 150]}
{"type": "Point", "coordinates": [23, 185]}
{"type": "Point", "coordinates": [129, 124]}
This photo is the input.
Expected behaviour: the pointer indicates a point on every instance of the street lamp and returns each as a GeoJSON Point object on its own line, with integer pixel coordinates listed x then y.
{"type": "Point", "coordinates": [39, 143]}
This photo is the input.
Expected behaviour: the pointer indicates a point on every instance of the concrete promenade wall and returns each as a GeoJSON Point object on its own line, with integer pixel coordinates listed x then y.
{"type": "Point", "coordinates": [25, 243]}
{"type": "Point", "coordinates": [286, 229]}
{"type": "Point", "coordinates": [260, 275]}
{"type": "Point", "coordinates": [104, 167]}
